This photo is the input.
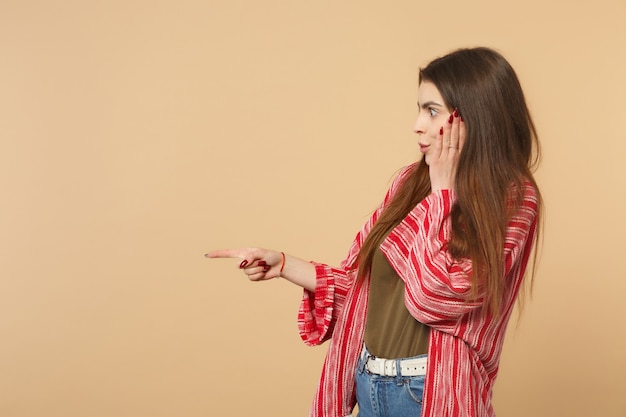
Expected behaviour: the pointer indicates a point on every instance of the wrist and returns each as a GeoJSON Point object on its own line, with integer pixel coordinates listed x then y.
{"type": "Point", "coordinates": [282, 264]}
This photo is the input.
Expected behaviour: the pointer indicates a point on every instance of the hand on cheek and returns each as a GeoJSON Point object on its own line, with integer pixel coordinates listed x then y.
{"type": "Point", "coordinates": [444, 157]}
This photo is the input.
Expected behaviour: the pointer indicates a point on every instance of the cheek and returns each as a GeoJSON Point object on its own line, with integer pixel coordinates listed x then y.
{"type": "Point", "coordinates": [439, 123]}
{"type": "Point", "coordinates": [433, 132]}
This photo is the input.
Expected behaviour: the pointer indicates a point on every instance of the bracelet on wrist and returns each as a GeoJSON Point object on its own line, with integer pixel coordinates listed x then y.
{"type": "Point", "coordinates": [282, 265]}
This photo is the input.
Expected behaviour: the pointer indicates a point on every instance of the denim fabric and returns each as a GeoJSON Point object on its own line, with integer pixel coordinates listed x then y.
{"type": "Point", "coordinates": [387, 396]}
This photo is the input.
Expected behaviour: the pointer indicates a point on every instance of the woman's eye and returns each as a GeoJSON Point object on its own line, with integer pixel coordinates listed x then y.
{"type": "Point", "coordinates": [432, 112]}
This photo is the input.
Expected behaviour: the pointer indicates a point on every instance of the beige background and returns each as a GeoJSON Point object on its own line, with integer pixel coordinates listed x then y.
{"type": "Point", "coordinates": [136, 135]}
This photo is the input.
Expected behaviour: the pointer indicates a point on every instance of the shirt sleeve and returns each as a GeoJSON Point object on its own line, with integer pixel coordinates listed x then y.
{"type": "Point", "coordinates": [319, 310]}
{"type": "Point", "coordinates": [438, 287]}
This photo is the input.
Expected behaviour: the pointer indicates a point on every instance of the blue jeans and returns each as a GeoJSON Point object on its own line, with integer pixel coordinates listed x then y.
{"type": "Point", "coordinates": [387, 396]}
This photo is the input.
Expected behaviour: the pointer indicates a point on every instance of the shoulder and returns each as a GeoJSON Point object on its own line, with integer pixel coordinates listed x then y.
{"type": "Point", "coordinates": [399, 178]}
{"type": "Point", "coordinates": [403, 173]}
{"type": "Point", "coordinates": [408, 169]}
{"type": "Point", "coordinates": [524, 199]}
{"type": "Point", "coordinates": [530, 193]}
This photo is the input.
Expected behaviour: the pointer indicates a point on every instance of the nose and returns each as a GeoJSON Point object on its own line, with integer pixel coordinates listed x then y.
{"type": "Point", "coordinates": [418, 126]}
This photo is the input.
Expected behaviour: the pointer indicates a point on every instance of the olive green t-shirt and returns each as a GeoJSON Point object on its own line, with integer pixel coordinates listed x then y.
{"type": "Point", "coordinates": [390, 330]}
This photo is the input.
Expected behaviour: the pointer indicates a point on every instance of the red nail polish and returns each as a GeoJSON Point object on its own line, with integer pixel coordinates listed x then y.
{"type": "Point", "coordinates": [456, 113]}
{"type": "Point", "coordinates": [243, 264]}
{"type": "Point", "coordinates": [462, 119]}
{"type": "Point", "coordinates": [266, 268]}
{"type": "Point", "coordinates": [441, 130]}
{"type": "Point", "coordinates": [262, 263]}
{"type": "Point", "coordinates": [450, 118]}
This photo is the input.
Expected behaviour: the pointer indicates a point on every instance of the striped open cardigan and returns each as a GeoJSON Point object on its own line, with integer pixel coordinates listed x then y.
{"type": "Point", "coordinates": [464, 345]}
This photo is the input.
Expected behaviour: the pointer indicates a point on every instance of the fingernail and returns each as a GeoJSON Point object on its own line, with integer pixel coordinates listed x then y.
{"type": "Point", "coordinates": [262, 263]}
{"type": "Point", "coordinates": [451, 118]}
{"type": "Point", "coordinates": [243, 264]}
{"type": "Point", "coordinates": [266, 268]}
{"type": "Point", "coordinates": [456, 113]}
{"type": "Point", "coordinates": [441, 130]}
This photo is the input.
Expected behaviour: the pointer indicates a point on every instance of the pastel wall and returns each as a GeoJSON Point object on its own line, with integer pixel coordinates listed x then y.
{"type": "Point", "coordinates": [136, 135]}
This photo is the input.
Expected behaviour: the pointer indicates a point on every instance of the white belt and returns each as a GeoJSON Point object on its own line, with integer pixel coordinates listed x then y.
{"type": "Point", "coordinates": [387, 367]}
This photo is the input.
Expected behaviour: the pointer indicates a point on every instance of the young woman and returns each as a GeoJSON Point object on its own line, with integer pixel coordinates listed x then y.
{"type": "Point", "coordinates": [417, 311]}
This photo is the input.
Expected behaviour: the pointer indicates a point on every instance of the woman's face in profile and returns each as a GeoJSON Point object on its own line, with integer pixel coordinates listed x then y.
{"type": "Point", "coordinates": [432, 115]}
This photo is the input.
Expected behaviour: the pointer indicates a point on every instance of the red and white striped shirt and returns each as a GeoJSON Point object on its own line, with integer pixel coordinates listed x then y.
{"type": "Point", "coordinates": [464, 345]}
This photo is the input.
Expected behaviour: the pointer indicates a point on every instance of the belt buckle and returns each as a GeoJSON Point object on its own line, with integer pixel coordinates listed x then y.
{"type": "Point", "coordinates": [367, 362]}
{"type": "Point", "coordinates": [379, 365]}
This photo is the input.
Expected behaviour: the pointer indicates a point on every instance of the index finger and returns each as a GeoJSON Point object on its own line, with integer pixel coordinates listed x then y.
{"type": "Point", "coordinates": [226, 253]}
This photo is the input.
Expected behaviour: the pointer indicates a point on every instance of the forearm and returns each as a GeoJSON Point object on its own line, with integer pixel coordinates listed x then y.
{"type": "Point", "coordinates": [299, 272]}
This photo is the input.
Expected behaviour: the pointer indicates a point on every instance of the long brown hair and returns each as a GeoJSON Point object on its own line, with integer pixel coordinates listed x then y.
{"type": "Point", "coordinates": [500, 153]}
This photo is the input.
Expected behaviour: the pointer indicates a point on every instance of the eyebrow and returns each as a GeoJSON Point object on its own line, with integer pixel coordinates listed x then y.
{"type": "Point", "coordinates": [429, 104]}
